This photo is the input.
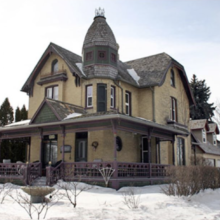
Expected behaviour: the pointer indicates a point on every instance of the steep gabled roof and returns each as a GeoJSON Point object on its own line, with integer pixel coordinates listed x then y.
{"type": "Point", "coordinates": [199, 124]}
{"type": "Point", "coordinates": [69, 57]}
{"type": "Point", "coordinates": [52, 110]}
{"type": "Point", "coordinates": [152, 71]}
{"type": "Point", "coordinates": [213, 127]}
{"type": "Point", "coordinates": [206, 147]}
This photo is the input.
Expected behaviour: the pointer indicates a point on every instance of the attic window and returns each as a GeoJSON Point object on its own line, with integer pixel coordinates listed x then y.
{"type": "Point", "coordinates": [204, 135]}
{"type": "Point", "coordinates": [172, 78]}
{"type": "Point", "coordinates": [52, 92]}
{"type": "Point", "coordinates": [54, 66]}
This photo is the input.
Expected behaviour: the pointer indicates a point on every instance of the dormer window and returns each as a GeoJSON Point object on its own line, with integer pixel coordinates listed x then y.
{"type": "Point", "coordinates": [172, 78]}
{"type": "Point", "coordinates": [204, 135]}
{"type": "Point", "coordinates": [54, 67]}
{"type": "Point", "coordinates": [113, 57]}
{"type": "Point", "coordinates": [214, 139]}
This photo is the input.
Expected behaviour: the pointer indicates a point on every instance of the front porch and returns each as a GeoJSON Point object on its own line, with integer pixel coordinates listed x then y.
{"type": "Point", "coordinates": [125, 173]}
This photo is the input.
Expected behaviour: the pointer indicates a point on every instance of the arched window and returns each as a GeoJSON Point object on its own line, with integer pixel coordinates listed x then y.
{"type": "Point", "coordinates": [54, 66]}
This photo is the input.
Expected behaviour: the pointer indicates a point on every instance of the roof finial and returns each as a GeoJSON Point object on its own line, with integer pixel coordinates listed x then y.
{"type": "Point", "coordinates": [100, 12]}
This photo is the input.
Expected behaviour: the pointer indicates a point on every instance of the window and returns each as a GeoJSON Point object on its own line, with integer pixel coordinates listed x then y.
{"type": "Point", "coordinates": [127, 103]}
{"type": "Point", "coordinates": [180, 152]}
{"type": "Point", "coordinates": [52, 92]}
{"type": "Point", "coordinates": [173, 109]}
{"type": "Point", "coordinates": [54, 66]}
{"type": "Point", "coordinates": [89, 56]}
{"type": "Point", "coordinates": [112, 101]}
{"type": "Point", "coordinates": [101, 55]}
{"type": "Point", "coordinates": [204, 135]}
{"type": "Point", "coordinates": [172, 78]}
{"type": "Point", "coordinates": [214, 139]}
{"type": "Point", "coordinates": [113, 57]}
{"type": "Point", "coordinates": [89, 96]}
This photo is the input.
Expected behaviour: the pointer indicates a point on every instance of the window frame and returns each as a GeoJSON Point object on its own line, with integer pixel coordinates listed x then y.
{"type": "Point", "coordinates": [105, 55]}
{"type": "Point", "coordinates": [87, 97]}
{"type": "Point", "coordinates": [113, 57]}
{"type": "Point", "coordinates": [128, 103]}
{"type": "Point", "coordinates": [54, 62]}
{"type": "Point", "coordinates": [181, 158]}
{"type": "Point", "coordinates": [204, 136]}
{"type": "Point", "coordinates": [52, 87]}
{"type": "Point", "coordinates": [112, 97]}
{"type": "Point", "coordinates": [89, 56]}
{"type": "Point", "coordinates": [173, 109]}
{"type": "Point", "coordinates": [172, 78]}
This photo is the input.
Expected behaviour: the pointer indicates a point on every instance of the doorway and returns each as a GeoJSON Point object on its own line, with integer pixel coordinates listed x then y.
{"type": "Point", "coordinates": [81, 147]}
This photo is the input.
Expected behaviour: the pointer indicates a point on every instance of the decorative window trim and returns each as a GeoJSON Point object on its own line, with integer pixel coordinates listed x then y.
{"type": "Point", "coordinates": [89, 96]}
{"type": "Point", "coordinates": [127, 103]}
{"type": "Point", "coordinates": [53, 88]}
{"type": "Point", "coordinates": [173, 109]}
{"type": "Point", "coordinates": [104, 55]}
{"type": "Point", "coordinates": [204, 138]}
{"type": "Point", "coordinates": [172, 78]}
{"type": "Point", "coordinates": [112, 97]}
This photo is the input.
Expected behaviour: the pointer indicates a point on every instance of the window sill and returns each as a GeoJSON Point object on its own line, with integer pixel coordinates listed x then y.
{"type": "Point", "coordinates": [89, 107]}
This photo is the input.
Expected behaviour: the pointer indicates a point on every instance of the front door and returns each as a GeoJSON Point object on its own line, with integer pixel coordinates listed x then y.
{"type": "Point", "coordinates": [144, 150]}
{"type": "Point", "coordinates": [81, 150]}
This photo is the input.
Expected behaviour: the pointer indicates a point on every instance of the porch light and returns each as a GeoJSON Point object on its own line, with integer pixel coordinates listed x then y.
{"type": "Point", "coordinates": [49, 163]}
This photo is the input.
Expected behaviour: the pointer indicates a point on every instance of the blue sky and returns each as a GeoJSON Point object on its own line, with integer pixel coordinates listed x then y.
{"type": "Point", "coordinates": [187, 30]}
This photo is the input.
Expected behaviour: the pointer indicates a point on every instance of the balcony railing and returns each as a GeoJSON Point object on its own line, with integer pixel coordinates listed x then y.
{"type": "Point", "coordinates": [44, 75]}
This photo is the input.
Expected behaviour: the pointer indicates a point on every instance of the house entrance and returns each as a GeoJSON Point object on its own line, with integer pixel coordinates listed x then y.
{"type": "Point", "coordinates": [81, 147]}
{"type": "Point", "coordinates": [145, 150]}
{"type": "Point", "coordinates": [49, 150]}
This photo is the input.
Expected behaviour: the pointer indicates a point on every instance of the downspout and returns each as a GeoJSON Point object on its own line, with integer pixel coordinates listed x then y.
{"type": "Point", "coordinates": [153, 103]}
{"type": "Point", "coordinates": [117, 84]}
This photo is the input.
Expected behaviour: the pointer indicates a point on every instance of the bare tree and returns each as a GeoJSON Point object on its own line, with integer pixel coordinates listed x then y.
{"type": "Point", "coordinates": [5, 190]}
{"type": "Point", "coordinates": [72, 190]}
{"type": "Point", "coordinates": [131, 198]}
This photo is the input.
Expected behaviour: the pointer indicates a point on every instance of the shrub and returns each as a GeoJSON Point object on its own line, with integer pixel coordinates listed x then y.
{"type": "Point", "coordinates": [190, 180]}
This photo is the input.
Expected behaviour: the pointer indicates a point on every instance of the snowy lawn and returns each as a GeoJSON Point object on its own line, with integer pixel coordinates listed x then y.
{"type": "Point", "coordinates": [105, 203]}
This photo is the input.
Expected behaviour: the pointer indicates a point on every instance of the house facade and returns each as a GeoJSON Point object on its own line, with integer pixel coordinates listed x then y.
{"type": "Point", "coordinates": [96, 108]}
{"type": "Point", "coordinates": [204, 142]}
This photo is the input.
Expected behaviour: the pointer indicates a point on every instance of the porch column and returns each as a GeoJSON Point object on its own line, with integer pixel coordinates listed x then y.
{"type": "Point", "coordinates": [63, 135]}
{"type": "Point", "coordinates": [41, 144]}
{"type": "Point", "coordinates": [115, 182]}
{"type": "Point", "coordinates": [173, 149]}
{"type": "Point", "coordinates": [29, 149]}
{"type": "Point", "coordinates": [149, 152]}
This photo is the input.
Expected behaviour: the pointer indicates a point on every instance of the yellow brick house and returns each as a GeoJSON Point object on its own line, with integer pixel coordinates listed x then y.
{"type": "Point", "coordinates": [95, 109]}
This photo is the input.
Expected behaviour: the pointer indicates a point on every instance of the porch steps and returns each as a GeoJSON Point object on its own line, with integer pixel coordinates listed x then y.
{"type": "Point", "coordinates": [40, 181]}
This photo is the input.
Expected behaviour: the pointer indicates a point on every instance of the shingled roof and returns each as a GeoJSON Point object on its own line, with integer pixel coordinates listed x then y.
{"type": "Point", "coordinates": [199, 124]}
{"type": "Point", "coordinates": [206, 147]}
{"type": "Point", "coordinates": [213, 127]}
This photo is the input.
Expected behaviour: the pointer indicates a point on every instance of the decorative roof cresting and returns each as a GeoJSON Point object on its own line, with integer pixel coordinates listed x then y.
{"type": "Point", "coordinates": [100, 12]}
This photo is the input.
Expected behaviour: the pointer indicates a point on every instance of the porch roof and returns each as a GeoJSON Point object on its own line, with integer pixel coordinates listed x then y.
{"type": "Point", "coordinates": [95, 122]}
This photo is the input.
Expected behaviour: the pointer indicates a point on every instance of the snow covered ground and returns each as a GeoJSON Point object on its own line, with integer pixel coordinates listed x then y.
{"type": "Point", "coordinates": [105, 203]}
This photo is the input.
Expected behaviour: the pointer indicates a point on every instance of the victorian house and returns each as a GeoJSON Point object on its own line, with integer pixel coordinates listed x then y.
{"type": "Point", "coordinates": [94, 111]}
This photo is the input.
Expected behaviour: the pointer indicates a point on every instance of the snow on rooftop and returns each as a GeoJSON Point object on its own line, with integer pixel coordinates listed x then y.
{"type": "Point", "coordinates": [24, 122]}
{"type": "Point", "coordinates": [134, 75]}
{"type": "Point", "coordinates": [73, 115]}
{"type": "Point", "coordinates": [79, 65]}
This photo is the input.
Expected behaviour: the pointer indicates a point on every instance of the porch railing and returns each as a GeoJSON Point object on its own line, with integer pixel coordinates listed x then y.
{"type": "Point", "coordinates": [89, 171]}
{"type": "Point", "coordinates": [20, 171]}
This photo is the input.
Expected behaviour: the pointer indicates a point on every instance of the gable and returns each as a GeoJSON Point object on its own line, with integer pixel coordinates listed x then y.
{"type": "Point", "coordinates": [44, 115]}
